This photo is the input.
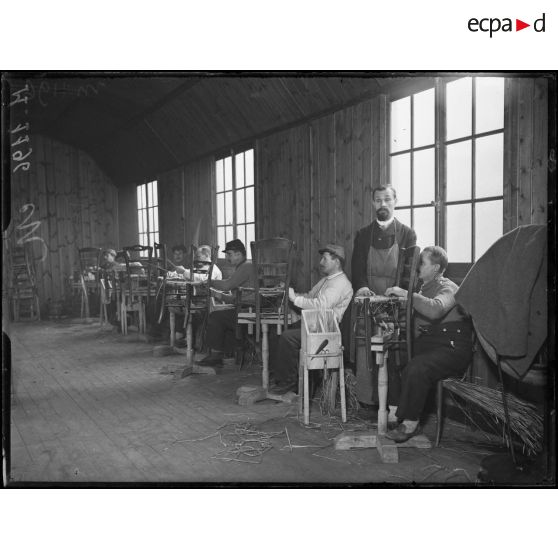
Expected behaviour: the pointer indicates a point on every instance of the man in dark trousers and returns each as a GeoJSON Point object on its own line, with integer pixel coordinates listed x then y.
{"type": "Point", "coordinates": [374, 269]}
{"type": "Point", "coordinates": [443, 345]}
{"type": "Point", "coordinates": [221, 325]}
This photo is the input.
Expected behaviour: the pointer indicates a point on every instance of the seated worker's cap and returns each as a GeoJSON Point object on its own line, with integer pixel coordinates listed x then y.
{"type": "Point", "coordinates": [236, 245]}
{"type": "Point", "coordinates": [334, 250]}
{"type": "Point", "coordinates": [111, 252]}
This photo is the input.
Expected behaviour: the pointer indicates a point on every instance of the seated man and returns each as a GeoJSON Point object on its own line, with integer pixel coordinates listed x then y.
{"type": "Point", "coordinates": [333, 291]}
{"type": "Point", "coordinates": [179, 255]}
{"type": "Point", "coordinates": [203, 253]}
{"type": "Point", "coordinates": [443, 346]}
{"type": "Point", "coordinates": [221, 325]}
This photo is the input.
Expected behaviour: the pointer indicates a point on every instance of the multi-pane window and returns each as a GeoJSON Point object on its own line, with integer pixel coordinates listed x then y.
{"type": "Point", "coordinates": [148, 213]}
{"type": "Point", "coordinates": [447, 164]}
{"type": "Point", "coordinates": [234, 176]}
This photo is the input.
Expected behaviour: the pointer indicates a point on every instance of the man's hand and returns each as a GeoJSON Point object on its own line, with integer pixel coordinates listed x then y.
{"type": "Point", "coordinates": [180, 270]}
{"type": "Point", "coordinates": [396, 291]}
{"type": "Point", "coordinates": [292, 294]}
{"type": "Point", "coordinates": [364, 291]}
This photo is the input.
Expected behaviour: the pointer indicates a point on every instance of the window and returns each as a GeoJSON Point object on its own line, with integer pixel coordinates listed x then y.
{"type": "Point", "coordinates": [447, 164]}
{"type": "Point", "coordinates": [148, 213]}
{"type": "Point", "coordinates": [234, 177]}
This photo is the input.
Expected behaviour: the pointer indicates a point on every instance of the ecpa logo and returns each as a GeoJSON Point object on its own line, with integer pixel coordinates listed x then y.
{"type": "Point", "coordinates": [492, 25]}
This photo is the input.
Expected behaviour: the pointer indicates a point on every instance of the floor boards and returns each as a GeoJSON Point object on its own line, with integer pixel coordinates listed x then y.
{"type": "Point", "coordinates": [90, 406]}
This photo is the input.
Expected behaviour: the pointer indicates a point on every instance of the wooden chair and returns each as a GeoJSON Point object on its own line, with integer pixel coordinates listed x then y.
{"type": "Point", "coordinates": [136, 287]}
{"type": "Point", "coordinates": [267, 302]}
{"type": "Point", "coordinates": [89, 264]}
{"type": "Point", "coordinates": [199, 299]}
{"type": "Point", "coordinates": [22, 284]}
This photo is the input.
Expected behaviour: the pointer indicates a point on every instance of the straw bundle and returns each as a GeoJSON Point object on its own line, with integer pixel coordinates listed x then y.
{"type": "Point", "coordinates": [330, 398]}
{"type": "Point", "coordinates": [525, 421]}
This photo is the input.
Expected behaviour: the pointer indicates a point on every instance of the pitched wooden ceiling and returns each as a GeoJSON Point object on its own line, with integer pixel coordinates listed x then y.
{"type": "Point", "coordinates": [136, 126]}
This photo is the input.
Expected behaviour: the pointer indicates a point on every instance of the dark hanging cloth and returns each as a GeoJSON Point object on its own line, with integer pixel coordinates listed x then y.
{"type": "Point", "coordinates": [505, 293]}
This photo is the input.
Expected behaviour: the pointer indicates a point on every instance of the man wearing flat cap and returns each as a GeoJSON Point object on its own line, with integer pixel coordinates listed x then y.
{"type": "Point", "coordinates": [333, 291]}
{"type": "Point", "coordinates": [221, 325]}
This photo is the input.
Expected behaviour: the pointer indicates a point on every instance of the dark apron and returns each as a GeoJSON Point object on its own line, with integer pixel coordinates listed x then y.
{"type": "Point", "coordinates": [381, 271]}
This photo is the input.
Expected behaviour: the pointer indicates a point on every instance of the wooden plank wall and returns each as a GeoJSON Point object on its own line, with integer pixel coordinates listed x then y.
{"type": "Point", "coordinates": [74, 205]}
{"type": "Point", "coordinates": [526, 157]}
{"type": "Point", "coordinates": [187, 211]}
{"type": "Point", "coordinates": [314, 185]}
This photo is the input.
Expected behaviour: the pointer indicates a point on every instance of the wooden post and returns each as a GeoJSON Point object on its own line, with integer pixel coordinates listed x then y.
{"type": "Point", "coordinates": [189, 342]}
{"type": "Point", "coordinates": [381, 360]}
{"type": "Point", "coordinates": [342, 389]}
{"type": "Point", "coordinates": [172, 321]}
{"type": "Point", "coordinates": [265, 355]}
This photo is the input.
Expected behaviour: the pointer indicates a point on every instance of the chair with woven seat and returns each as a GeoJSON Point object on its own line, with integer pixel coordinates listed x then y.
{"type": "Point", "coordinates": [267, 302]}
{"type": "Point", "coordinates": [89, 264]}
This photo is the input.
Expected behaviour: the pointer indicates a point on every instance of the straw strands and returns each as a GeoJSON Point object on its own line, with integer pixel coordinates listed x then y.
{"type": "Point", "coordinates": [525, 421]}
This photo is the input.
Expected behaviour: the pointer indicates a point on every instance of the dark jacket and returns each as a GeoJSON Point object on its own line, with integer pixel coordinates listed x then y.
{"type": "Point", "coordinates": [405, 237]}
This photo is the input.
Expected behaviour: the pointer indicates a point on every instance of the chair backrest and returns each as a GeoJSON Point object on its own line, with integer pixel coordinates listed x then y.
{"type": "Point", "coordinates": [407, 278]}
{"type": "Point", "coordinates": [89, 262]}
{"type": "Point", "coordinates": [143, 255]}
{"type": "Point", "coordinates": [160, 264]}
{"type": "Point", "coordinates": [200, 266]}
{"type": "Point", "coordinates": [272, 260]}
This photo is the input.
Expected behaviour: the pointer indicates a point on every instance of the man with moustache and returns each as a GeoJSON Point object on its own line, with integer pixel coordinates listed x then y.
{"type": "Point", "coordinates": [333, 292]}
{"type": "Point", "coordinates": [374, 270]}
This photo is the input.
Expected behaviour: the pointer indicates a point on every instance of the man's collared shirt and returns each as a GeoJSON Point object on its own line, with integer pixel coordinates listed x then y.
{"type": "Point", "coordinates": [334, 292]}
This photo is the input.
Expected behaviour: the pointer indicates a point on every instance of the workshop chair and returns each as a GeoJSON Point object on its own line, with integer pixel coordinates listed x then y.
{"type": "Point", "coordinates": [199, 300]}
{"type": "Point", "coordinates": [22, 289]}
{"type": "Point", "coordinates": [267, 302]}
{"type": "Point", "coordinates": [135, 285]}
{"type": "Point", "coordinates": [89, 265]}
{"type": "Point", "coordinates": [159, 259]}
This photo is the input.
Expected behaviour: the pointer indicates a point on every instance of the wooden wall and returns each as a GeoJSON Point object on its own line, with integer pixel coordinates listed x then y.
{"type": "Point", "coordinates": [75, 205]}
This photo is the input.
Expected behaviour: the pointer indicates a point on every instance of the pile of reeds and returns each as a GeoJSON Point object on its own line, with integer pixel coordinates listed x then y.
{"type": "Point", "coordinates": [525, 420]}
{"type": "Point", "coordinates": [330, 398]}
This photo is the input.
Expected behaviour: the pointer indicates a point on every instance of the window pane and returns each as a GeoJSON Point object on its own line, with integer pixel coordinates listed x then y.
{"type": "Point", "coordinates": [239, 168]}
{"type": "Point", "coordinates": [400, 125]}
{"type": "Point", "coordinates": [250, 237]}
{"type": "Point", "coordinates": [423, 115]}
{"type": "Point", "coordinates": [155, 218]}
{"type": "Point", "coordinates": [424, 177]}
{"type": "Point", "coordinates": [229, 233]}
{"type": "Point", "coordinates": [489, 167]}
{"type": "Point", "coordinates": [459, 106]}
{"type": "Point", "coordinates": [228, 208]}
{"type": "Point", "coordinates": [155, 200]}
{"type": "Point", "coordinates": [403, 215]}
{"type": "Point", "coordinates": [240, 206]}
{"type": "Point", "coordinates": [458, 233]}
{"type": "Point", "coordinates": [250, 205]}
{"type": "Point", "coordinates": [249, 162]}
{"type": "Point", "coordinates": [220, 209]}
{"type": "Point", "coordinates": [143, 239]}
{"type": "Point", "coordinates": [141, 223]}
{"type": "Point", "coordinates": [489, 112]}
{"type": "Point", "coordinates": [241, 233]}
{"type": "Point", "coordinates": [149, 193]}
{"type": "Point", "coordinates": [155, 238]}
{"type": "Point", "coordinates": [458, 174]}
{"type": "Point", "coordinates": [219, 175]}
{"type": "Point", "coordinates": [141, 196]}
{"type": "Point", "coordinates": [151, 220]}
{"type": "Point", "coordinates": [401, 178]}
{"type": "Point", "coordinates": [221, 237]}
{"type": "Point", "coordinates": [228, 173]}
{"type": "Point", "coordinates": [489, 225]}
{"type": "Point", "coordinates": [424, 225]}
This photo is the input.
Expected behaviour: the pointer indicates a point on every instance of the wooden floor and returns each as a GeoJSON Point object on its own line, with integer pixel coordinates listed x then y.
{"type": "Point", "coordinates": [89, 405]}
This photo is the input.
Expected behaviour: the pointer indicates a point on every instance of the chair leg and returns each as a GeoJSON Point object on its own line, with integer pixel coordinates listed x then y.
{"type": "Point", "coordinates": [306, 391]}
{"type": "Point", "coordinates": [439, 410]}
{"type": "Point", "coordinates": [300, 383]}
{"type": "Point", "coordinates": [342, 390]}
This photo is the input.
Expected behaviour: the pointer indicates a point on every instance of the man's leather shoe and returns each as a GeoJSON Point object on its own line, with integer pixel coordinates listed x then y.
{"type": "Point", "coordinates": [399, 434]}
